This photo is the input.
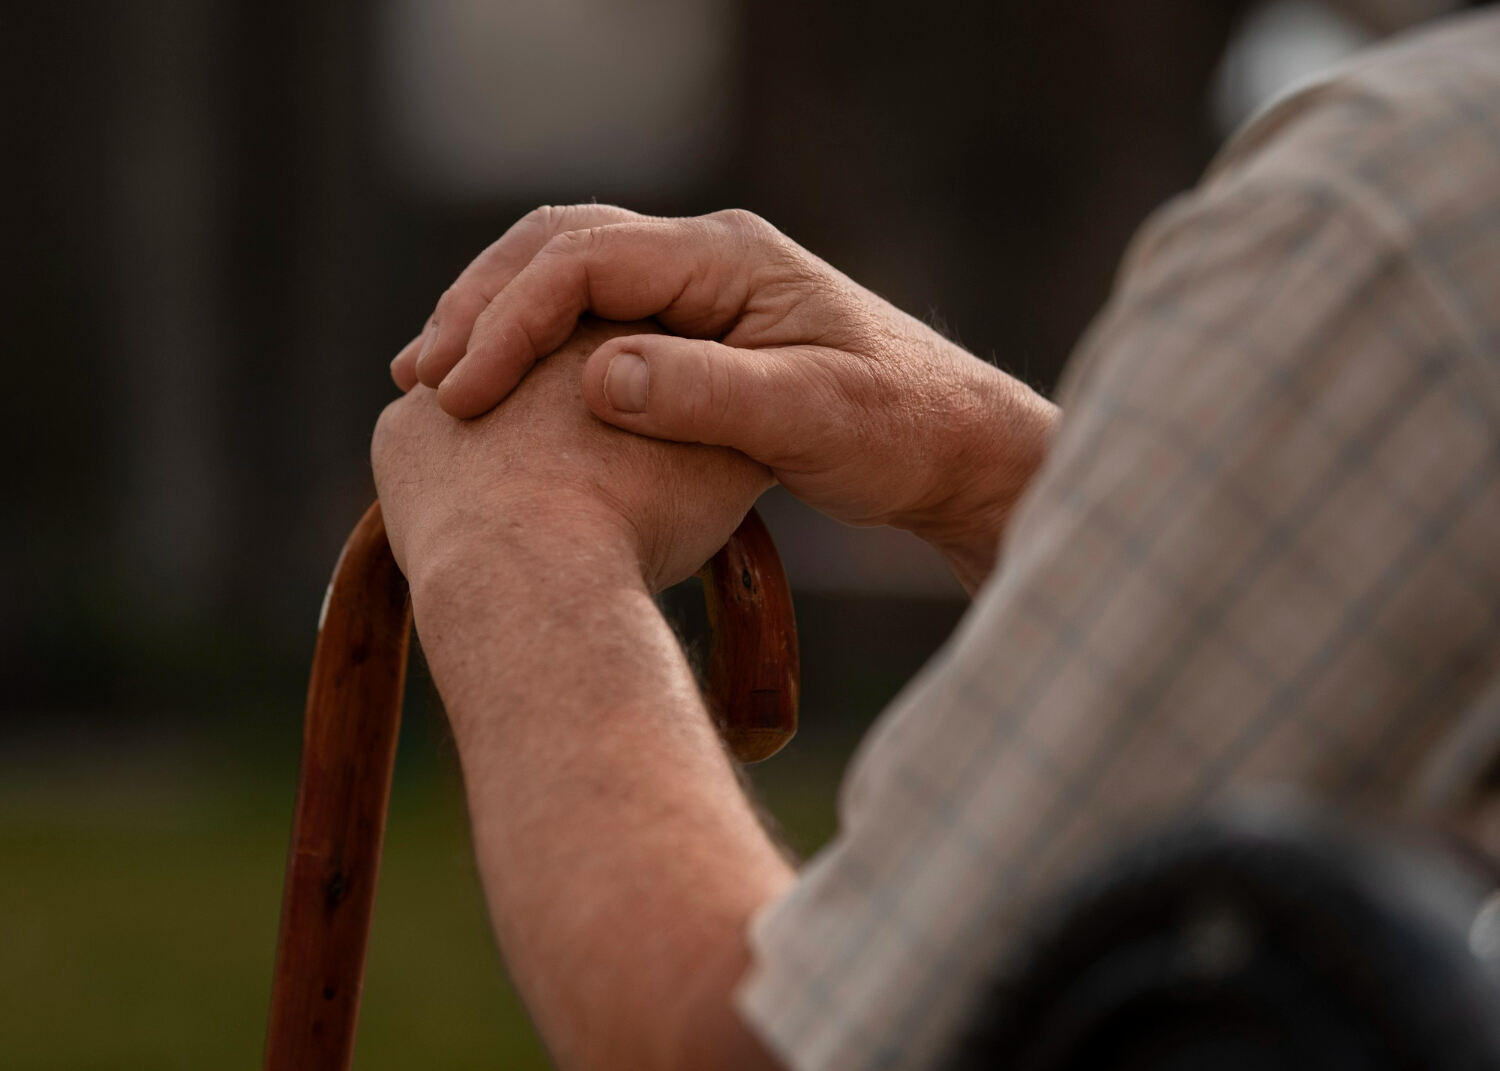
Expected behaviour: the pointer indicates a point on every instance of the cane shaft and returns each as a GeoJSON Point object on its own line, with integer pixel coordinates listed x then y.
{"type": "Point", "coordinates": [349, 748]}
{"type": "Point", "coordinates": [348, 754]}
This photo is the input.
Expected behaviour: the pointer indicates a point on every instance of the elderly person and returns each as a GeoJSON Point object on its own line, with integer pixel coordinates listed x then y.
{"type": "Point", "coordinates": [1258, 543]}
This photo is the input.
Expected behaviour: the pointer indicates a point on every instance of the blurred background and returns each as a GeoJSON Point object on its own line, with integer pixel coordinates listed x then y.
{"type": "Point", "coordinates": [222, 219]}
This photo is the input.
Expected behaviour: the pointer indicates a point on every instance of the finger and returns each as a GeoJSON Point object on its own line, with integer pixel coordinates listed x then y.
{"type": "Point", "coordinates": [448, 328]}
{"type": "Point", "coordinates": [771, 404]}
{"type": "Point", "coordinates": [403, 368]}
{"type": "Point", "coordinates": [695, 276]}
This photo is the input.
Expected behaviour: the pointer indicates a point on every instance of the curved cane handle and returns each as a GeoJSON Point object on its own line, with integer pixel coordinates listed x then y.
{"type": "Point", "coordinates": [753, 670]}
{"type": "Point", "coordinates": [349, 753]}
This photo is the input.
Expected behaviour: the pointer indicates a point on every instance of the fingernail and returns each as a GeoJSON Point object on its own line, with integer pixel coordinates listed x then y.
{"type": "Point", "coordinates": [627, 383]}
{"type": "Point", "coordinates": [429, 339]}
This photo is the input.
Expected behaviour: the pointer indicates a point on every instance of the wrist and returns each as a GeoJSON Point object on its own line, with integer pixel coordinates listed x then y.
{"type": "Point", "coordinates": [513, 554]}
{"type": "Point", "coordinates": [996, 443]}
{"type": "Point", "coordinates": [491, 607]}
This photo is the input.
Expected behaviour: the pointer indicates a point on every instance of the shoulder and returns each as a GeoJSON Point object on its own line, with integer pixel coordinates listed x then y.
{"type": "Point", "coordinates": [1387, 166]}
{"type": "Point", "coordinates": [1401, 132]}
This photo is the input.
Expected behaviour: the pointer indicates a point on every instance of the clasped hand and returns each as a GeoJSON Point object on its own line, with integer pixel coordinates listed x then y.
{"type": "Point", "coordinates": [541, 476]}
{"type": "Point", "coordinates": [852, 405]}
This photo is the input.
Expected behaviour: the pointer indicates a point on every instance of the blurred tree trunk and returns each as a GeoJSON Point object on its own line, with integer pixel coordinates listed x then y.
{"type": "Point", "coordinates": [308, 359]}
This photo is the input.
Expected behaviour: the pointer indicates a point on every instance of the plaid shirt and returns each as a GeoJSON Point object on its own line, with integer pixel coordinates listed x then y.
{"type": "Point", "coordinates": [1265, 548]}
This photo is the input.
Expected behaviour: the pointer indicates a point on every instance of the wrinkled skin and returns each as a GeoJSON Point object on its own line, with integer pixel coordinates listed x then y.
{"type": "Point", "coordinates": [857, 408]}
{"type": "Point", "coordinates": [542, 467]}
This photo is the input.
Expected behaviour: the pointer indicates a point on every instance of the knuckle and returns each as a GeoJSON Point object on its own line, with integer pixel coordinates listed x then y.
{"type": "Point", "coordinates": [447, 303]}
{"type": "Point", "coordinates": [580, 242]}
{"type": "Point", "coordinates": [710, 399]}
{"type": "Point", "coordinates": [552, 219]}
{"type": "Point", "coordinates": [741, 219]}
{"type": "Point", "coordinates": [568, 243]}
{"type": "Point", "coordinates": [560, 219]}
{"type": "Point", "coordinates": [535, 227]}
{"type": "Point", "coordinates": [539, 217]}
{"type": "Point", "coordinates": [762, 242]}
{"type": "Point", "coordinates": [749, 229]}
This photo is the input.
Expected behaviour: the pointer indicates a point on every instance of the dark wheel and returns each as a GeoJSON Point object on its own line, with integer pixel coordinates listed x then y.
{"type": "Point", "coordinates": [1268, 937]}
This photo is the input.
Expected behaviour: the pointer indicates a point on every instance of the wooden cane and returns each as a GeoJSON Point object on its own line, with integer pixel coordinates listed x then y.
{"type": "Point", "coordinates": [349, 751]}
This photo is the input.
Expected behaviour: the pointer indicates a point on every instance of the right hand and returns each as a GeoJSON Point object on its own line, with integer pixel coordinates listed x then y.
{"type": "Point", "coordinates": [857, 408]}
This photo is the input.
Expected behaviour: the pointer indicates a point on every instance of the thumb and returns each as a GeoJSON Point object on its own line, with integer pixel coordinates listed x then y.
{"type": "Point", "coordinates": [760, 402]}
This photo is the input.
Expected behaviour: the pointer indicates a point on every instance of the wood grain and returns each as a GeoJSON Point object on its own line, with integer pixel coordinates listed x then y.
{"type": "Point", "coordinates": [753, 669]}
{"type": "Point", "coordinates": [348, 754]}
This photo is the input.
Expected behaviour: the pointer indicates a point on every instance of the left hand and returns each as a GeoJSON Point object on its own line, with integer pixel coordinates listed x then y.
{"type": "Point", "coordinates": [542, 475]}
{"type": "Point", "coordinates": [857, 408]}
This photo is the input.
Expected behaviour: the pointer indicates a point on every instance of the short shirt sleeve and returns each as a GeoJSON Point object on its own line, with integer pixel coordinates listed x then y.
{"type": "Point", "coordinates": [1263, 550]}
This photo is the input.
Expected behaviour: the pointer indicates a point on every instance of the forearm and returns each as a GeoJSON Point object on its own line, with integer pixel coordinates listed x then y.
{"type": "Point", "coordinates": [619, 857]}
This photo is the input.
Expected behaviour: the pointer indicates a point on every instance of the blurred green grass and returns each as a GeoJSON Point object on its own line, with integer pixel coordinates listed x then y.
{"type": "Point", "coordinates": [138, 908]}
{"type": "Point", "coordinates": [141, 859]}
